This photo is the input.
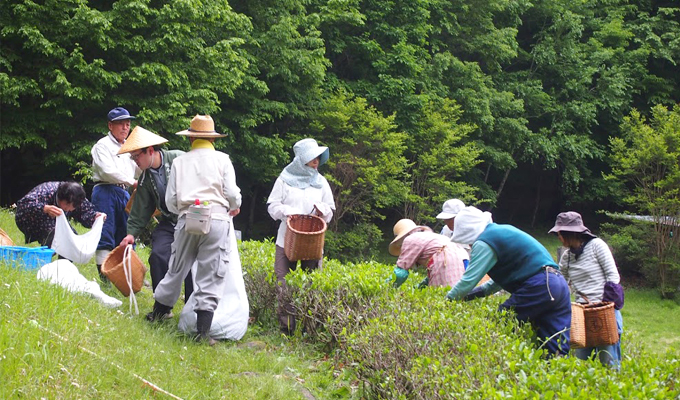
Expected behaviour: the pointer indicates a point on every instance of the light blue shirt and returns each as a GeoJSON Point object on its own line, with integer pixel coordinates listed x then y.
{"type": "Point", "coordinates": [482, 259]}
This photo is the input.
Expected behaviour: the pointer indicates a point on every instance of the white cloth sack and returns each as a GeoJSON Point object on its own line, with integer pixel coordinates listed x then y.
{"type": "Point", "coordinates": [231, 316]}
{"type": "Point", "coordinates": [77, 248]}
{"type": "Point", "coordinates": [64, 273]}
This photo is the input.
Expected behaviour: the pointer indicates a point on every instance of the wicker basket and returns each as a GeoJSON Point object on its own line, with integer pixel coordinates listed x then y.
{"type": "Point", "coordinates": [5, 240]}
{"type": "Point", "coordinates": [600, 324]}
{"type": "Point", "coordinates": [113, 269]}
{"type": "Point", "coordinates": [577, 336]}
{"type": "Point", "coordinates": [304, 237]}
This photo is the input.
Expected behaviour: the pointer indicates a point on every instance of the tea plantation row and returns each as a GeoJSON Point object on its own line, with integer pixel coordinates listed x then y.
{"type": "Point", "coordinates": [410, 343]}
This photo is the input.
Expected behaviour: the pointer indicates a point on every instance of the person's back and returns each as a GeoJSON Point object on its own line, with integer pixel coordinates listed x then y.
{"type": "Point", "coordinates": [206, 175]}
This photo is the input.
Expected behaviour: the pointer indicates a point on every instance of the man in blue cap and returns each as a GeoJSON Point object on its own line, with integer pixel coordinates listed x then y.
{"type": "Point", "coordinates": [113, 175]}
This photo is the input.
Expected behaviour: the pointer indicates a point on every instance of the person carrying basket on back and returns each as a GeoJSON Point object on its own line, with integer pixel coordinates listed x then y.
{"type": "Point", "coordinates": [299, 189]}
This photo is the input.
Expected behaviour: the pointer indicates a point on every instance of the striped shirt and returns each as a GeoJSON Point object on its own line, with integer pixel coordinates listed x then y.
{"type": "Point", "coordinates": [588, 273]}
{"type": "Point", "coordinates": [442, 258]}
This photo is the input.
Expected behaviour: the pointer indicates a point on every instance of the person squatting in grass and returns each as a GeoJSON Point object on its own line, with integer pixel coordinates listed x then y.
{"type": "Point", "coordinates": [588, 264]}
{"type": "Point", "coordinates": [519, 264]}
{"type": "Point", "coordinates": [299, 189]}
{"type": "Point", "coordinates": [414, 244]}
{"type": "Point", "coordinates": [155, 163]}
{"type": "Point", "coordinates": [37, 210]}
{"type": "Point", "coordinates": [113, 175]}
{"type": "Point", "coordinates": [206, 176]}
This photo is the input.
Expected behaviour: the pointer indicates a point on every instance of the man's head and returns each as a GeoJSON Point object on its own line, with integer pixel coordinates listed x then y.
{"type": "Point", "coordinates": [143, 147]}
{"type": "Point", "coordinates": [119, 123]}
{"type": "Point", "coordinates": [70, 195]}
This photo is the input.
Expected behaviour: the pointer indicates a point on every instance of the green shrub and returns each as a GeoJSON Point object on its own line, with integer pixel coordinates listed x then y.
{"type": "Point", "coordinates": [631, 246]}
{"type": "Point", "coordinates": [407, 343]}
{"type": "Point", "coordinates": [257, 261]}
{"type": "Point", "coordinates": [353, 243]}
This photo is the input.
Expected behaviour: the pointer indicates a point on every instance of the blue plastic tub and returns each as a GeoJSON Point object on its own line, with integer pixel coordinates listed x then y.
{"type": "Point", "coordinates": [26, 257]}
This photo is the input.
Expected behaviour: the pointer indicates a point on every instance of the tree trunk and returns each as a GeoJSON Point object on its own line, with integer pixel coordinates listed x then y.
{"type": "Point", "coordinates": [538, 200]}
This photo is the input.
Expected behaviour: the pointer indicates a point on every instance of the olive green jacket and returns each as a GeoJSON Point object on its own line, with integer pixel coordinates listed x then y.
{"type": "Point", "coordinates": [147, 198]}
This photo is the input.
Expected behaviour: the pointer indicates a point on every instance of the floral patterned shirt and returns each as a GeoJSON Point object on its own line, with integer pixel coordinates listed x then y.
{"type": "Point", "coordinates": [32, 220]}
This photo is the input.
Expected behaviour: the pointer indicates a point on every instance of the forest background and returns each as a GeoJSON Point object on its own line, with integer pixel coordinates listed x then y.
{"type": "Point", "coordinates": [512, 106]}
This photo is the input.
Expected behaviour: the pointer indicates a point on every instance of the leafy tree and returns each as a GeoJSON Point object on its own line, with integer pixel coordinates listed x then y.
{"type": "Point", "coordinates": [647, 159]}
{"type": "Point", "coordinates": [64, 64]}
{"type": "Point", "coordinates": [441, 160]}
{"type": "Point", "coordinates": [366, 168]}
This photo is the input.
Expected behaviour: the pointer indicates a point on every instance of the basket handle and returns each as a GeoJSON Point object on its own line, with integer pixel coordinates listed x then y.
{"type": "Point", "coordinates": [127, 268]}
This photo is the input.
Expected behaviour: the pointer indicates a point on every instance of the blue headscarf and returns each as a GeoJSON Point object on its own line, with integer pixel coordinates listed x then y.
{"type": "Point", "coordinates": [299, 175]}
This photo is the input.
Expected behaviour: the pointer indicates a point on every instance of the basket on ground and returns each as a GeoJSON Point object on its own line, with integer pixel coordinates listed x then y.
{"type": "Point", "coordinates": [26, 257]}
{"type": "Point", "coordinates": [113, 269]}
{"type": "Point", "coordinates": [304, 237]}
{"type": "Point", "coordinates": [577, 333]}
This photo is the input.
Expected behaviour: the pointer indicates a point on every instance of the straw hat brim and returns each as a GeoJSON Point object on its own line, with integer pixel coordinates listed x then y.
{"type": "Point", "coordinates": [395, 245]}
{"type": "Point", "coordinates": [140, 138]}
{"type": "Point", "coordinates": [203, 135]}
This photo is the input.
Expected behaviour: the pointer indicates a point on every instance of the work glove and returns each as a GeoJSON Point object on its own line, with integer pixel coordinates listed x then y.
{"type": "Point", "coordinates": [424, 283]}
{"type": "Point", "coordinates": [474, 293]}
{"type": "Point", "coordinates": [401, 275]}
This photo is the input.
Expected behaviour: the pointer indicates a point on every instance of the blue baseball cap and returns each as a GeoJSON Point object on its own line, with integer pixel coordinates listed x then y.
{"type": "Point", "coordinates": [119, 113]}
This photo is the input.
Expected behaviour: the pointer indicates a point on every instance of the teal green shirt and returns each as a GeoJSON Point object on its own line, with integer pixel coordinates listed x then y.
{"type": "Point", "coordinates": [482, 259]}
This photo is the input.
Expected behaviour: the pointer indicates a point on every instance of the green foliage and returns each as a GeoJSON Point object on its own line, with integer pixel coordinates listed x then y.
{"type": "Point", "coordinates": [353, 243]}
{"type": "Point", "coordinates": [405, 341]}
{"type": "Point", "coordinates": [367, 165]}
{"type": "Point", "coordinates": [632, 249]}
{"type": "Point", "coordinates": [646, 158]}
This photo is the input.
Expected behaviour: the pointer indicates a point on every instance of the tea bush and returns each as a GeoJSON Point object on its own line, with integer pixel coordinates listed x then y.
{"type": "Point", "coordinates": [408, 343]}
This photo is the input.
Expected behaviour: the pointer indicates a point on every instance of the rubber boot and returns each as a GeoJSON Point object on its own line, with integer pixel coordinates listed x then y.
{"type": "Point", "coordinates": [203, 323]}
{"type": "Point", "coordinates": [160, 312]}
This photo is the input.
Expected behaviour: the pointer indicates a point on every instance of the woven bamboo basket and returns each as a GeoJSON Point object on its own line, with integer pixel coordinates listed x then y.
{"type": "Point", "coordinates": [577, 336]}
{"type": "Point", "coordinates": [113, 269]}
{"type": "Point", "coordinates": [600, 323]}
{"type": "Point", "coordinates": [5, 240]}
{"type": "Point", "coordinates": [304, 237]}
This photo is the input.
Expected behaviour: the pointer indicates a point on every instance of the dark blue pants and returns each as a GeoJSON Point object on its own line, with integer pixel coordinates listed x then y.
{"type": "Point", "coordinates": [111, 200]}
{"type": "Point", "coordinates": [544, 301]}
{"type": "Point", "coordinates": [161, 248]}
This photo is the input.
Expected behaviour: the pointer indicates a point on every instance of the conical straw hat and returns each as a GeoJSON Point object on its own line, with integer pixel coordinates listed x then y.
{"type": "Point", "coordinates": [140, 138]}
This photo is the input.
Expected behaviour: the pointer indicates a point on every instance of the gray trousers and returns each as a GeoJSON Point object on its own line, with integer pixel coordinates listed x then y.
{"type": "Point", "coordinates": [211, 252]}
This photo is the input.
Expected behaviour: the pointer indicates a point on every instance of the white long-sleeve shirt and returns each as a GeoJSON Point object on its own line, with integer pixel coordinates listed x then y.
{"type": "Point", "coordinates": [590, 271]}
{"type": "Point", "coordinates": [204, 174]}
{"type": "Point", "coordinates": [110, 167]}
{"type": "Point", "coordinates": [285, 200]}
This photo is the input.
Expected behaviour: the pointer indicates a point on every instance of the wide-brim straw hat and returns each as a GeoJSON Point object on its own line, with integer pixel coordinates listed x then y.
{"type": "Point", "coordinates": [450, 209]}
{"type": "Point", "coordinates": [401, 229]}
{"type": "Point", "coordinates": [202, 126]}
{"type": "Point", "coordinates": [140, 138]}
{"type": "Point", "coordinates": [308, 149]}
{"type": "Point", "coordinates": [570, 221]}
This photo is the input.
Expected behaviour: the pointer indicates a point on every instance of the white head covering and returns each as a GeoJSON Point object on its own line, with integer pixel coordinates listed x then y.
{"type": "Point", "coordinates": [298, 174]}
{"type": "Point", "coordinates": [450, 209]}
{"type": "Point", "coordinates": [470, 223]}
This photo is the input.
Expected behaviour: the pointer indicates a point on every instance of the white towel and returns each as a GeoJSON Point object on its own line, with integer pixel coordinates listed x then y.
{"type": "Point", "coordinates": [77, 248]}
{"type": "Point", "coordinates": [64, 273]}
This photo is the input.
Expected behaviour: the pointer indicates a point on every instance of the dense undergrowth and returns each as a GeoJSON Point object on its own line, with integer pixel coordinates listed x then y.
{"type": "Point", "coordinates": [411, 343]}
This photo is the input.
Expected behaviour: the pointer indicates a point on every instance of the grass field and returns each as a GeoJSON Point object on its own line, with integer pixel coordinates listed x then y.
{"type": "Point", "coordinates": [55, 344]}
